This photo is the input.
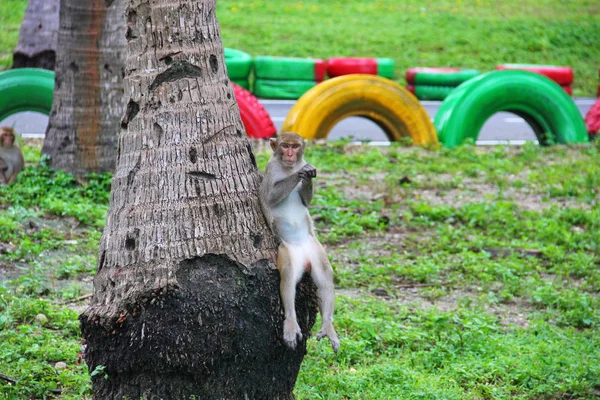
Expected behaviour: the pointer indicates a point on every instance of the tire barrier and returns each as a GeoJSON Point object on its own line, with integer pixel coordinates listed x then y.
{"type": "Point", "coordinates": [386, 103]}
{"type": "Point", "coordinates": [26, 89]}
{"type": "Point", "coordinates": [242, 82]}
{"type": "Point", "coordinates": [427, 92]}
{"type": "Point", "coordinates": [436, 83]}
{"type": "Point", "coordinates": [255, 117]}
{"type": "Point", "coordinates": [543, 104]}
{"type": "Point", "coordinates": [272, 89]}
{"type": "Point", "coordinates": [561, 75]}
{"type": "Point", "coordinates": [592, 119]}
{"type": "Point", "coordinates": [239, 65]}
{"type": "Point", "coordinates": [439, 76]}
{"type": "Point", "coordinates": [339, 66]}
{"type": "Point", "coordinates": [286, 77]}
{"type": "Point", "coordinates": [289, 68]}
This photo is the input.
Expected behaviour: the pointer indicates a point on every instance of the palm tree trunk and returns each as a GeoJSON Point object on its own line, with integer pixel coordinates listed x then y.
{"type": "Point", "coordinates": [38, 35]}
{"type": "Point", "coordinates": [186, 299]}
{"type": "Point", "coordinates": [88, 96]}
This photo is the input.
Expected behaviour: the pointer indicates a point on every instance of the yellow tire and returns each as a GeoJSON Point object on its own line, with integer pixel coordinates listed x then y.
{"type": "Point", "coordinates": [386, 103]}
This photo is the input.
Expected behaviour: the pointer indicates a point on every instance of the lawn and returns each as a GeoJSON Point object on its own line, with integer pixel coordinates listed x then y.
{"type": "Point", "coordinates": [467, 273]}
{"type": "Point", "coordinates": [461, 33]}
{"type": "Point", "coordinates": [470, 273]}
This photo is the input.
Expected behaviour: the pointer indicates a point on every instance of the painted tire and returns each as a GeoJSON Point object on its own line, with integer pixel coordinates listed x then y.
{"type": "Point", "coordinates": [26, 89]}
{"type": "Point", "coordinates": [238, 64]}
{"type": "Point", "coordinates": [428, 92]}
{"type": "Point", "coordinates": [439, 76]}
{"type": "Point", "coordinates": [592, 119]}
{"type": "Point", "coordinates": [273, 89]}
{"type": "Point", "coordinates": [256, 119]}
{"type": "Point", "coordinates": [289, 69]}
{"type": "Point", "coordinates": [542, 103]}
{"type": "Point", "coordinates": [338, 66]}
{"type": "Point", "coordinates": [389, 105]}
{"type": "Point", "coordinates": [242, 82]}
{"type": "Point", "coordinates": [561, 75]}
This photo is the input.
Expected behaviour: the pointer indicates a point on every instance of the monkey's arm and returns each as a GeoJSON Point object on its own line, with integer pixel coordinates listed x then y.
{"type": "Point", "coordinates": [281, 189]}
{"type": "Point", "coordinates": [4, 171]}
{"type": "Point", "coordinates": [18, 167]}
{"type": "Point", "coordinates": [306, 192]}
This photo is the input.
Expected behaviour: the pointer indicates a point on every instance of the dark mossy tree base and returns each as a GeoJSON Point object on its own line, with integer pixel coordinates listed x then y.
{"type": "Point", "coordinates": [218, 335]}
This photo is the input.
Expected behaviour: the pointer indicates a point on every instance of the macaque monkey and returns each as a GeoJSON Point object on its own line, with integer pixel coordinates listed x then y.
{"type": "Point", "coordinates": [285, 194]}
{"type": "Point", "coordinates": [11, 157]}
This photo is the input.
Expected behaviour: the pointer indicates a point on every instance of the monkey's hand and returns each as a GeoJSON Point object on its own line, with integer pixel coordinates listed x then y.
{"type": "Point", "coordinates": [307, 172]}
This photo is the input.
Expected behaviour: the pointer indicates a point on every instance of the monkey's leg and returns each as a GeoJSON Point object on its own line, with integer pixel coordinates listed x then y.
{"type": "Point", "coordinates": [322, 275]}
{"type": "Point", "coordinates": [290, 275]}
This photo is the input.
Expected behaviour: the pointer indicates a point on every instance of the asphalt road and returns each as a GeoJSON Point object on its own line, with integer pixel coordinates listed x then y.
{"type": "Point", "coordinates": [501, 127]}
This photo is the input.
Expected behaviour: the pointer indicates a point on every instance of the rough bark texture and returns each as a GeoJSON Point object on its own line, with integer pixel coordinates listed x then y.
{"type": "Point", "coordinates": [38, 36]}
{"type": "Point", "coordinates": [88, 96]}
{"type": "Point", "coordinates": [186, 299]}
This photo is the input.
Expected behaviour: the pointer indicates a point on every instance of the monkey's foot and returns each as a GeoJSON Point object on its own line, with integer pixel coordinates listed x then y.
{"type": "Point", "coordinates": [330, 333]}
{"type": "Point", "coordinates": [291, 332]}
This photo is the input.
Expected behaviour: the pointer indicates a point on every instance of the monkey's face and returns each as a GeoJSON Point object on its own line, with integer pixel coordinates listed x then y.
{"type": "Point", "coordinates": [7, 139]}
{"type": "Point", "coordinates": [290, 153]}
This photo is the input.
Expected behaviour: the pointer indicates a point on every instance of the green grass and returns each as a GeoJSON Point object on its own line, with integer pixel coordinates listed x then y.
{"type": "Point", "coordinates": [467, 273]}
{"type": "Point", "coordinates": [473, 34]}
{"type": "Point", "coordinates": [11, 15]}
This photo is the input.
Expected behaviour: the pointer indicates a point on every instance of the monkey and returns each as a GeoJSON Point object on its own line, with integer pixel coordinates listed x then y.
{"type": "Point", "coordinates": [285, 194]}
{"type": "Point", "coordinates": [11, 156]}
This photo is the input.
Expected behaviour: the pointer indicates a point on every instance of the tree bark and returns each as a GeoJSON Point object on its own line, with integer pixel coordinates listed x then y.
{"type": "Point", "coordinates": [88, 99]}
{"type": "Point", "coordinates": [38, 36]}
{"type": "Point", "coordinates": [186, 299]}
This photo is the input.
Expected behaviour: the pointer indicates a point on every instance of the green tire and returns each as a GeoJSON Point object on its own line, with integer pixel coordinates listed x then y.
{"type": "Point", "coordinates": [545, 106]}
{"type": "Point", "coordinates": [446, 79]}
{"type": "Point", "coordinates": [242, 82]}
{"type": "Point", "coordinates": [238, 64]}
{"type": "Point", "coordinates": [289, 68]}
{"type": "Point", "coordinates": [427, 92]}
{"type": "Point", "coordinates": [386, 67]}
{"type": "Point", "coordinates": [272, 89]}
{"type": "Point", "coordinates": [26, 89]}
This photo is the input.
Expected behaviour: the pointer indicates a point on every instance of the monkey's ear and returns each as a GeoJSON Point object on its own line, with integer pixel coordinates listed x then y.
{"type": "Point", "coordinates": [273, 143]}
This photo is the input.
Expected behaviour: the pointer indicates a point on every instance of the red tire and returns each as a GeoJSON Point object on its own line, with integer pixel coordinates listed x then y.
{"type": "Point", "coordinates": [568, 89]}
{"type": "Point", "coordinates": [338, 66]}
{"type": "Point", "coordinates": [592, 119]}
{"type": "Point", "coordinates": [255, 117]}
{"type": "Point", "coordinates": [561, 75]}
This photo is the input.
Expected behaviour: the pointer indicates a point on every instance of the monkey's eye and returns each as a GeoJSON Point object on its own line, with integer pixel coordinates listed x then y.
{"type": "Point", "coordinates": [295, 146]}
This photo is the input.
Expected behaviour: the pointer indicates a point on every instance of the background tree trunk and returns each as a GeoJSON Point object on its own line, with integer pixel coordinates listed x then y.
{"type": "Point", "coordinates": [38, 36]}
{"type": "Point", "coordinates": [186, 299]}
{"type": "Point", "coordinates": [88, 95]}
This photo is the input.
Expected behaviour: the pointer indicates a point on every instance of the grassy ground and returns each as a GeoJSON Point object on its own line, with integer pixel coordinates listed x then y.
{"type": "Point", "coordinates": [470, 273]}
{"type": "Point", "coordinates": [459, 33]}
